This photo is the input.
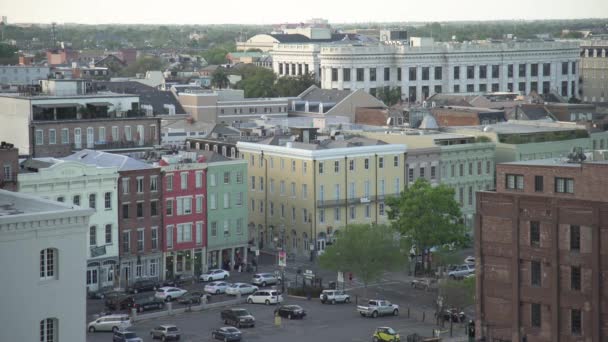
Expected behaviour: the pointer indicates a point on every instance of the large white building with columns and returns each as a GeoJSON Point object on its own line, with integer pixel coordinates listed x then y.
{"type": "Point", "coordinates": [421, 71]}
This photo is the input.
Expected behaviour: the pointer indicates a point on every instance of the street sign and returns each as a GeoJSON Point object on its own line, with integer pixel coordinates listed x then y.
{"type": "Point", "coordinates": [282, 259]}
{"type": "Point", "coordinates": [308, 274]}
{"type": "Point", "coordinates": [340, 277]}
{"type": "Point", "coordinates": [257, 252]}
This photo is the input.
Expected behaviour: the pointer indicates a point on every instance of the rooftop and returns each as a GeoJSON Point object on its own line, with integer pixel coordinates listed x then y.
{"type": "Point", "coordinates": [19, 205]}
{"type": "Point", "coordinates": [523, 127]}
{"type": "Point", "coordinates": [104, 159]}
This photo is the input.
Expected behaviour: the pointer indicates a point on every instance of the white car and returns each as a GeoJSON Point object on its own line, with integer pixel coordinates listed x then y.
{"type": "Point", "coordinates": [241, 288]}
{"type": "Point", "coordinates": [110, 323]}
{"type": "Point", "coordinates": [169, 293]}
{"type": "Point", "coordinates": [216, 287]}
{"type": "Point", "coordinates": [462, 271]}
{"type": "Point", "coordinates": [469, 260]}
{"type": "Point", "coordinates": [265, 297]}
{"type": "Point", "coordinates": [215, 275]}
{"type": "Point", "coordinates": [264, 279]}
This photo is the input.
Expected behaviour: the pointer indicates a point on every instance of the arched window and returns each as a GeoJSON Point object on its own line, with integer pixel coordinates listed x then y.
{"type": "Point", "coordinates": [48, 263]}
{"type": "Point", "coordinates": [48, 330]}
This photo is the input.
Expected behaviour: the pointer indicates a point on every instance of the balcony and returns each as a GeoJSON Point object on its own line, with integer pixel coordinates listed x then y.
{"type": "Point", "coordinates": [112, 145]}
{"type": "Point", "coordinates": [353, 201]}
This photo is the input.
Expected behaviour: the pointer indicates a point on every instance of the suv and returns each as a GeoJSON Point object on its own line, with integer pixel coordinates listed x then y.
{"type": "Point", "coordinates": [237, 317]}
{"type": "Point", "coordinates": [462, 271]}
{"type": "Point", "coordinates": [126, 336]}
{"type": "Point", "coordinates": [142, 303]}
{"type": "Point", "coordinates": [266, 297]}
{"type": "Point", "coordinates": [334, 296]}
{"type": "Point", "coordinates": [180, 280]}
{"type": "Point", "coordinates": [165, 332]}
{"type": "Point", "coordinates": [120, 302]}
{"type": "Point", "coordinates": [143, 285]}
{"type": "Point", "coordinates": [264, 279]}
{"type": "Point", "coordinates": [110, 323]}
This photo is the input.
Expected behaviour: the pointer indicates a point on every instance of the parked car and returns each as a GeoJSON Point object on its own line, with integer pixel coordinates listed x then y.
{"type": "Point", "coordinates": [290, 311]}
{"type": "Point", "coordinates": [126, 336]}
{"type": "Point", "coordinates": [265, 297]}
{"type": "Point", "coordinates": [241, 288]}
{"type": "Point", "coordinates": [424, 283]}
{"type": "Point", "coordinates": [226, 334]}
{"type": "Point", "coordinates": [143, 285]}
{"type": "Point", "coordinates": [385, 334]}
{"type": "Point", "coordinates": [334, 296]}
{"type": "Point", "coordinates": [216, 287]}
{"type": "Point", "coordinates": [191, 298]}
{"type": "Point", "coordinates": [264, 279]}
{"type": "Point", "coordinates": [237, 317]}
{"type": "Point", "coordinates": [110, 323]}
{"type": "Point", "coordinates": [452, 314]}
{"type": "Point", "coordinates": [119, 302]}
{"type": "Point", "coordinates": [102, 292]}
{"type": "Point", "coordinates": [461, 271]}
{"type": "Point", "coordinates": [376, 307]}
{"type": "Point", "coordinates": [168, 293]}
{"type": "Point", "coordinates": [469, 260]}
{"type": "Point", "coordinates": [216, 274]}
{"type": "Point", "coordinates": [165, 332]}
{"type": "Point", "coordinates": [180, 280]}
{"type": "Point", "coordinates": [147, 302]}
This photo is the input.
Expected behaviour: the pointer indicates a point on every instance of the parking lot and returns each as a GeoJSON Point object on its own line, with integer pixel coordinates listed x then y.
{"type": "Point", "coordinates": [338, 322]}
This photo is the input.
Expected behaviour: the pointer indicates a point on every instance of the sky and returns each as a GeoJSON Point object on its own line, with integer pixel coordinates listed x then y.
{"type": "Point", "coordinates": [205, 12]}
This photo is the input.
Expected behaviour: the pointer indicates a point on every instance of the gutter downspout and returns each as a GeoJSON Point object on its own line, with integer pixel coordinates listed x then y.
{"type": "Point", "coordinates": [345, 191]}
{"type": "Point", "coordinates": [376, 186]}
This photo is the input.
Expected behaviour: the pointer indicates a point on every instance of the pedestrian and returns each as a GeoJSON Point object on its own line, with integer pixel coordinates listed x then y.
{"type": "Point", "coordinates": [240, 267]}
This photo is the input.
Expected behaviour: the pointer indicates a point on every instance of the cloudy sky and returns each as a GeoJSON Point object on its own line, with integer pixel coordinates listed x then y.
{"type": "Point", "coordinates": [278, 11]}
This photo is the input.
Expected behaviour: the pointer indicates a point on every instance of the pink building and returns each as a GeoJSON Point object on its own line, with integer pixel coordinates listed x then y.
{"type": "Point", "coordinates": [184, 215]}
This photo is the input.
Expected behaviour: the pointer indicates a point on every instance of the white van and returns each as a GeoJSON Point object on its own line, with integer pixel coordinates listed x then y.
{"type": "Point", "coordinates": [265, 297]}
{"type": "Point", "coordinates": [110, 323]}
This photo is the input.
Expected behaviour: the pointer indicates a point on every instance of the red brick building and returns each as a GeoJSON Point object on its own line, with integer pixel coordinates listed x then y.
{"type": "Point", "coordinates": [9, 166]}
{"type": "Point", "coordinates": [541, 245]}
{"type": "Point", "coordinates": [185, 215]}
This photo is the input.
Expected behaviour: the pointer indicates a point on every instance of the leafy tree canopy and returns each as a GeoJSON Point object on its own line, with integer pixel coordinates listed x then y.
{"type": "Point", "coordinates": [142, 65]}
{"type": "Point", "coordinates": [8, 54]}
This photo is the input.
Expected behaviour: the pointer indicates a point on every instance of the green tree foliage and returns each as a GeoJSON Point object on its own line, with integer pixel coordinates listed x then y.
{"type": "Point", "coordinates": [293, 86]}
{"type": "Point", "coordinates": [8, 54]}
{"type": "Point", "coordinates": [216, 55]}
{"type": "Point", "coordinates": [219, 79]}
{"type": "Point", "coordinates": [143, 64]}
{"type": "Point", "coordinates": [457, 293]}
{"type": "Point", "coordinates": [390, 96]}
{"type": "Point", "coordinates": [257, 82]}
{"type": "Point", "coordinates": [427, 216]}
{"type": "Point", "coordinates": [365, 250]}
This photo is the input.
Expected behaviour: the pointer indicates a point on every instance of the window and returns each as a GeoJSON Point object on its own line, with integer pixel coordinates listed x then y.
{"type": "Point", "coordinates": [425, 73]}
{"type": "Point", "coordinates": [336, 214]}
{"type": "Point", "coordinates": [564, 185]}
{"type": "Point", "coordinates": [293, 189]}
{"type": "Point", "coordinates": [461, 196]}
{"type": "Point", "coordinates": [253, 183]}
{"type": "Point", "coordinates": [360, 75]}
{"type": "Point", "coordinates": [65, 136]}
{"type": "Point", "coordinates": [140, 185]}
{"type": "Point", "coordinates": [522, 70]}
{"type": "Point", "coordinates": [92, 236]}
{"type": "Point", "coordinates": [226, 227]}
{"type": "Point", "coordinates": [368, 211]}
{"type": "Point", "coordinates": [337, 166]}
{"type": "Point", "coordinates": [334, 74]}
{"type": "Point", "coordinates": [535, 319]}
{"type": "Point", "coordinates": [470, 72]}
{"type": "Point", "coordinates": [576, 325]}
{"type": "Point", "coordinates": [488, 166]}
{"type": "Point", "coordinates": [337, 191]}
{"type": "Point", "coordinates": [154, 238]}
{"type": "Point", "coordinates": [510, 70]}
{"type": "Point", "coordinates": [547, 69]}
{"type": "Point", "coordinates": [382, 187]}
{"type": "Point", "coordinates": [399, 74]}
{"type": "Point", "coordinates": [261, 183]}
{"type": "Point", "coordinates": [140, 240]}
{"type": "Point", "coordinates": [534, 70]}
{"type": "Point", "coordinates": [456, 88]}
{"type": "Point", "coordinates": [534, 233]}
{"type": "Point", "coordinates": [320, 167]}
{"type": "Point", "coordinates": [380, 162]}
{"type": "Point", "coordinates": [396, 161]}
{"type": "Point", "coordinates": [213, 229]}
{"type": "Point", "coordinates": [470, 195]}
{"type": "Point", "coordinates": [108, 234]}
{"type": "Point", "coordinates": [293, 214]}
{"type": "Point", "coordinates": [366, 164]}
{"type": "Point", "coordinates": [346, 75]}
{"type": "Point", "coordinates": [169, 237]}
{"type": "Point", "coordinates": [212, 179]}
{"type": "Point", "coordinates": [198, 179]}
{"type": "Point", "coordinates": [535, 273]}
{"type": "Point", "coordinates": [108, 200]}
{"type": "Point", "coordinates": [169, 184]}
{"type": "Point", "coordinates": [483, 71]}
{"type": "Point", "coordinates": [39, 137]}
{"type": "Point", "coordinates": [61, 199]}
{"type": "Point", "coordinates": [456, 72]}
{"type": "Point", "coordinates": [92, 201]}
{"type": "Point", "coordinates": [169, 207]}
{"type": "Point", "coordinates": [410, 174]}
{"type": "Point", "coordinates": [282, 210]}
{"type": "Point", "coordinates": [372, 74]}
{"type": "Point", "coordinates": [293, 166]}
{"type": "Point", "coordinates": [48, 259]}
{"type": "Point", "coordinates": [322, 215]}
{"type": "Point", "coordinates": [438, 73]}
{"type": "Point", "coordinates": [515, 182]}
{"type": "Point", "coordinates": [412, 72]}
{"type": "Point", "coordinates": [271, 208]}
{"type": "Point", "coordinates": [126, 241]}
{"type": "Point", "coordinates": [48, 330]}
{"type": "Point", "coordinates": [184, 180]}
{"type": "Point", "coordinates": [452, 170]}
{"type": "Point", "coordinates": [495, 69]}
{"type": "Point", "coordinates": [352, 212]}
{"type": "Point", "coordinates": [125, 211]}
{"type": "Point", "coordinates": [422, 169]}
{"type": "Point", "coordinates": [153, 208]}
{"type": "Point", "coordinates": [140, 209]}
{"type": "Point", "coordinates": [538, 183]}
{"type": "Point", "coordinates": [304, 191]}
{"type": "Point", "coordinates": [304, 167]}
{"type": "Point", "coordinates": [226, 200]}
{"type": "Point", "coordinates": [305, 215]}
{"type": "Point", "coordinates": [52, 137]}
{"type": "Point", "coordinates": [387, 74]}
{"type": "Point", "coordinates": [239, 226]}
{"type": "Point", "coordinates": [575, 278]}
{"type": "Point", "coordinates": [239, 199]}
{"type": "Point", "coordinates": [282, 188]}
{"type": "Point", "coordinates": [366, 189]}
{"type": "Point", "coordinates": [239, 177]}
{"type": "Point", "coordinates": [184, 232]}
{"type": "Point", "coordinates": [199, 204]}
{"type": "Point", "coordinates": [381, 209]}
{"type": "Point", "coordinates": [433, 172]}
{"type": "Point", "coordinates": [351, 190]}
{"type": "Point", "coordinates": [351, 165]}
{"type": "Point", "coordinates": [575, 238]}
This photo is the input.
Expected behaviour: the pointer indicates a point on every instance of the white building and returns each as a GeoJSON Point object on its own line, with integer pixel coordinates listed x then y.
{"type": "Point", "coordinates": [42, 256]}
{"type": "Point", "coordinates": [23, 74]}
{"type": "Point", "coordinates": [428, 68]}
{"type": "Point", "coordinates": [83, 185]}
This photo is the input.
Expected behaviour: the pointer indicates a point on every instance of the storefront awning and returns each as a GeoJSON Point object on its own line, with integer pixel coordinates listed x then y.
{"type": "Point", "coordinates": [56, 105]}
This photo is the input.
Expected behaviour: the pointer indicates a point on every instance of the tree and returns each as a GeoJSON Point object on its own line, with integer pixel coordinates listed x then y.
{"type": "Point", "coordinates": [365, 250]}
{"type": "Point", "coordinates": [293, 86]}
{"type": "Point", "coordinates": [142, 65]}
{"type": "Point", "coordinates": [457, 293]}
{"type": "Point", "coordinates": [8, 54]}
{"type": "Point", "coordinates": [219, 79]}
{"type": "Point", "coordinates": [427, 216]}
{"type": "Point", "coordinates": [390, 96]}
{"type": "Point", "coordinates": [216, 55]}
{"type": "Point", "coordinates": [257, 82]}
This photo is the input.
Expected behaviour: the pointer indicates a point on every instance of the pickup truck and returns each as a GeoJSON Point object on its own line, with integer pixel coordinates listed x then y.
{"type": "Point", "coordinates": [377, 308]}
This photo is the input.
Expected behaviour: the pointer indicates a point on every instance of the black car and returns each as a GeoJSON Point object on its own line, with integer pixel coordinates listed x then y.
{"type": "Point", "coordinates": [102, 293]}
{"type": "Point", "coordinates": [143, 285]}
{"type": "Point", "coordinates": [237, 317]}
{"type": "Point", "coordinates": [290, 311]}
{"type": "Point", "coordinates": [180, 280]}
{"type": "Point", "coordinates": [226, 334]}
{"type": "Point", "coordinates": [191, 298]}
{"type": "Point", "coordinates": [125, 336]}
{"type": "Point", "coordinates": [143, 303]}
{"type": "Point", "coordinates": [119, 302]}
